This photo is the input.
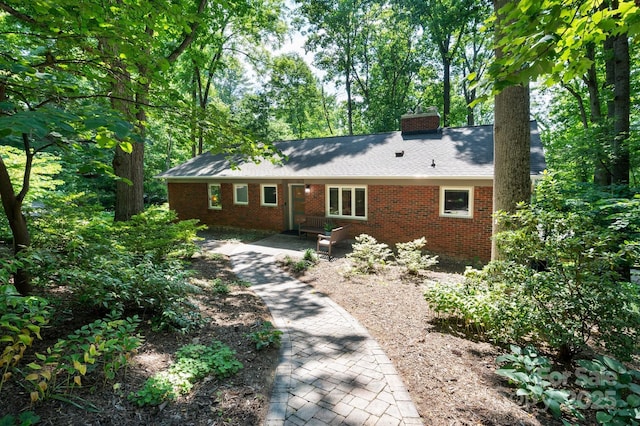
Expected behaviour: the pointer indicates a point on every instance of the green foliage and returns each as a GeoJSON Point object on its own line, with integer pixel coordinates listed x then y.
{"type": "Point", "coordinates": [105, 345]}
{"type": "Point", "coordinates": [26, 418]}
{"type": "Point", "coordinates": [310, 256]}
{"type": "Point", "coordinates": [411, 258]}
{"type": "Point", "coordinates": [116, 266]}
{"type": "Point", "coordinates": [368, 256]}
{"type": "Point", "coordinates": [220, 287]}
{"type": "Point", "coordinates": [614, 390]}
{"type": "Point", "coordinates": [309, 259]}
{"type": "Point", "coordinates": [266, 336]}
{"type": "Point", "coordinates": [528, 370]}
{"type": "Point", "coordinates": [602, 384]}
{"type": "Point", "coordinates": [563, 280]}
{"type": "Point", "coordinates": [157, 232]}
{"type": "Point", "coordinates": [193, 363]}
{"type": "Point", "coordinates": [21, 320]}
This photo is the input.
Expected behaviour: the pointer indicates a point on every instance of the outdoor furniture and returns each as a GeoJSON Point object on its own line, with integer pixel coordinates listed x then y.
{"type": "Point", "coordinates": [326, 242]}
{"type": "Point", "coordinates": [312, 225]}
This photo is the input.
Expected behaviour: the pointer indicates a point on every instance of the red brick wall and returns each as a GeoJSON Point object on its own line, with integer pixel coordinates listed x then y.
{"type": "Point", "coordinates": [395, 214]}
{"type": "Point", "coordinates": [405, 213]}
{"type": "Point", "coordinates": [190, 201]}
{"type": "Point", "coordinates": [419, 122]}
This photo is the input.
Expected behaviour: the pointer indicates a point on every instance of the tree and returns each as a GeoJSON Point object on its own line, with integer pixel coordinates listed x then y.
{"type": "Point", "coordinates": [332, 27]}
{"type": "Point", "coordinates": [386, 68]}
{"type": "Point", "coordinates": [445, 23]}
{"type": "Point", "coordinates": [562, 39]}
{"type": "Point", "coordinates": [42, 108]}
{"type": "Point", "coordinates": [511, 139]}
{"type": "Point", "coordinates": [475, 55]}
{"type": "Point", "coordinates": [295, 96]}
{"type": "Point", "coordinates": [121, 48]}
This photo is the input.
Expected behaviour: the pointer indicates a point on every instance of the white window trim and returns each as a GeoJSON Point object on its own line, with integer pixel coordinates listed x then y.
{"type": "Point", "coordinates": [235, 194]}
{"type": "Point", "coordinates": [353, 201]}
{"type": "Point", "coordinates": [212, 207]}
{"type": "Point", "coordinates": [268, 185]}
{"type": "Point", "coordinates": [457, 188]}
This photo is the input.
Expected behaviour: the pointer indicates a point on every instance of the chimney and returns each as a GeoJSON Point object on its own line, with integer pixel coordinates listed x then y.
{"type": "Point", "coordinates": [420, 122]}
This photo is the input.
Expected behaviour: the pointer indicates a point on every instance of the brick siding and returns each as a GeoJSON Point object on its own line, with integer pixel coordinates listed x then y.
{"type": "Point", "coordinates": [396, 213]}
{"type": "Point", "coordinates": [190, 201]}
{"type": "Point", "coordinates": [419, 123]}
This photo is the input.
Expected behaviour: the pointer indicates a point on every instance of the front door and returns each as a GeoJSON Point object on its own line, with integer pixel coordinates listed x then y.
{"type": "Point", "coordinates": [297, 206]}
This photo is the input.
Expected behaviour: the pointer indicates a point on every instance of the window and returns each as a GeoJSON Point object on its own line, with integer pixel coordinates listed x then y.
{"type": "Point", "coordinates": [215, 197]}
{"type": "Point", "coordinates": [347, 201]}
{"type": "Point", "coordinates": [269, 195]}
{"type": "Point", "coordinates": [241, 193]}
{"type": "Point", "coordinates": [456, 201]}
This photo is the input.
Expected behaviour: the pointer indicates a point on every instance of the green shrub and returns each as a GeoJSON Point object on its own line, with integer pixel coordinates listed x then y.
{"type": "Point", "coordinates": [562, 283]}
{"type": "Point", "coordinates": [26, 418]}
{"type": "Point", "coordinates": [603, 385]}
{"type": "Point", "coordinates": [310, 256]}
{"type": "Point", "coordinates": [266, 336]}
{"type": "Point", "coordinates": [309, 259]}
{"type": "Point", "coordinates": [193, 363]}
{"type": "Point", "coordinates": [21, 320]}
{"type": "Point", "coordinates": [368, 255]}
{"type": "Point", "coordinates": [411, 258]}
{"type": "Point", "coordinates": [220, 287]}
{"type": "Point", "coordinates": [105, 345]}
{"type": "Point", "coordinates": [116, 266]}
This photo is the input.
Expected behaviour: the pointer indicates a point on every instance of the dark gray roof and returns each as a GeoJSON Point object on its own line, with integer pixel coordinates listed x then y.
{"type": "Point", "coordinates": [461, 152]}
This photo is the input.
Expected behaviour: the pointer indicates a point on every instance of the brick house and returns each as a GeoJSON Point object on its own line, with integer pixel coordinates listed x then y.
{"type": "Point", "coordinates": [421, 181]}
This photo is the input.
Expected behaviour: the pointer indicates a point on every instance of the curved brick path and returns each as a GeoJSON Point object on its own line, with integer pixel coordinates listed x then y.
{"type": "Point", "coordinates": [331, 371]}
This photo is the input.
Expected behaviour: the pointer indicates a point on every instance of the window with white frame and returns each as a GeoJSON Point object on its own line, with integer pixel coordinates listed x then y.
{"type": "Point", "coordinates": [456, 201]}
{"type": "Point", "coordinates": [215, 196]}
{"type": "Point", "coordinates": [240, 193]}
{"type": "Point", "coordinates": [347, 201]}
{"type": "Point", "coordinates": [269, 194]}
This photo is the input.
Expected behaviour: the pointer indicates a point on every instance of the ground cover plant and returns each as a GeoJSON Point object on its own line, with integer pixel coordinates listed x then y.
{"type": "Point", "coordinates": [108, 320]}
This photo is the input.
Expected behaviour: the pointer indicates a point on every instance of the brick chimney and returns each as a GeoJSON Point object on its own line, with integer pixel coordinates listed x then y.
{"type": "Point", "coordinates": [420, 122]}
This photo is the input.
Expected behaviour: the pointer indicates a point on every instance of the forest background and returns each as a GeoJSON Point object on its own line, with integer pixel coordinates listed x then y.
{"type": "Point", "coordinates": [97, 98]}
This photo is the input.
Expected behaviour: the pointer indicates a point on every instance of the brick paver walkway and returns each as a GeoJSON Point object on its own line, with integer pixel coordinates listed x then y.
{"type": "Point", "coordinates": [331, 371]}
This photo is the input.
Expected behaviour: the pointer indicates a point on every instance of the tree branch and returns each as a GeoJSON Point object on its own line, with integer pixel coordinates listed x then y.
{"type": "Point", "coordinates": [16, 14]}
{"type": "Point", "coordinates": [189, 37]}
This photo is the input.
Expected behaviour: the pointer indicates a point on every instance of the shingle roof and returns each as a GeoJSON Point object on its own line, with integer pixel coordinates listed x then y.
{"type": "Point", "coordinates": [461, 152]}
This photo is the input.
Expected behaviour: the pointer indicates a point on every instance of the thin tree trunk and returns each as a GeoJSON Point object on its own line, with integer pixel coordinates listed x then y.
{"type": "Point", "coordinates": [446, 92]}
{"type": "Point", "coordinates": [12, 205]}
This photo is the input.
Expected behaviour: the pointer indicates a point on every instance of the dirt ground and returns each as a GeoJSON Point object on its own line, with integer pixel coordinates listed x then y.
{"type": "Point", "coordinates": [449, 376]}
{"type": "Point", "coordinates": [240, 400]}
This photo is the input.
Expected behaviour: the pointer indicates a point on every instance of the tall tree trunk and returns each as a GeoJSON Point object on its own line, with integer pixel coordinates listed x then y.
{"type": "Point", "coordinates": [512, 145]}
{"type": "Point", "coordinates": [622, 103]}
{"type": "Point", "coordinates": [347, 85]}
{"type": "Point", "coordinates": [446, 92]}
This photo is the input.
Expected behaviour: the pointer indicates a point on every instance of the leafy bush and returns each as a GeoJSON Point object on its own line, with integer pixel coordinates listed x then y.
{"type": "Point", "coordinates": [309, 259]}
{"type": "Point", "coordinates": [158, 233]}
{"type": "Point", "coordinates": [411, 258]}
{"type": "Point", "coordinates": [193, 363]}
{"type": "Point", "coordinates": [602, 384]}
{"type": "Point", "coordinates": [529, 371]}
{"type": "Point", "coordinates": [563, 281]}
{"type": "Point", "coordinates": [116, 266]}
{"type": "Point", "coordinates": [104, 345]}
{"type": "Point", "coordinates": [266, 336]}
{"type": "Point", "coordinates": [26, 418]}
{"type": "Point", "coordinates": [368, 255]}
{"type": "Point", "coordinates": [21, 319]}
